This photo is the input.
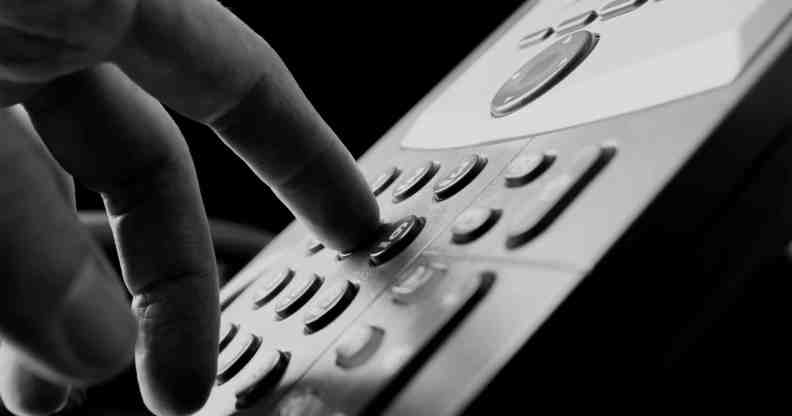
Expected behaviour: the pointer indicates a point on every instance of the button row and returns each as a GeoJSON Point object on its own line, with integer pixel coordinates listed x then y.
{"type": "Point", "coordinates": [455, 181]}
{"type": "Point", "coordinates": [608, 11]}
{"type": "Point", "coordinates": [555, 195]}
{"type": "Point", "coordinates": [326, 308]}
{"type": "Point", "coordinates": [263, 367]}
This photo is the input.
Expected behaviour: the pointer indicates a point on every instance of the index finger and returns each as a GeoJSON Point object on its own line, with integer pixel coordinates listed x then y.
{"type": "Point", "coordinates": [201, 60]}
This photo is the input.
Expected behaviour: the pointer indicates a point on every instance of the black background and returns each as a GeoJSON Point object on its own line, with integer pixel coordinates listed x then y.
{"type": "Point", "coordinates": [386, 55]}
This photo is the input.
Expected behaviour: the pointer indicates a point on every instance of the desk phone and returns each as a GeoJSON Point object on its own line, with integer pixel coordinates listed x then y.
{"type": "Point", "coordinates": [566, 208]}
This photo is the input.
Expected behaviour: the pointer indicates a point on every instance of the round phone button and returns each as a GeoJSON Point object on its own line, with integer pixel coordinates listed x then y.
{"type": "Point", "coordinates": [384, 180]}
{"type": "Point", "coordinates": [273, 285]}
{"type": "Point", "coordinates": [357, 345]}
{"type": "Point", "coordinates": [303, 290]}
{"type": "Point", "coordinates": [415, 181]}
{"type": "Point", "coordinates": [399, 236]}
{"type": "Point", "coordinates": [236, 356]}
{"type": "Point", "coordinates": [526, 168]}
{"type": "Point", "coordinates": [472, 224]}
{"type": "Point", "coordinates": [460, 177]}
{"type": "Point", "coordinates": [329, 305]}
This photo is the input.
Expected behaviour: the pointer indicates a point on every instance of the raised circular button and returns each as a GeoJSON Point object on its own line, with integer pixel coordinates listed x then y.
{"type": "Point", "coordinates": [236, 356]}
{"type": "Point", "coordinates": [257, 381]}
{"type": "Point", "coordinates": [542, 72]}
{"type": "Point", "coordinates": [400, 235]}
{"type": "Point", "coordinates": [303, 290]}
{"type": "Point", "coordinates": [473, 223]}
{"type": "Point", "coordinates": [526, 168]}
{"type": "Point", "coordinates": [415, 181]}
{"type": "Point", "coordinates": [415, 280]}
{"type": "Point", "coordinates": [358, 345]}
{"type": "Point", "coordinates": [227, 332]}
{"type": "Point", "coordinates": [460, 177]}
{"type": "Point", "coordinates": [329, 305]}
{"type": "Point", "coordinates": [272, 286]}
{"type": "Point", "coordinates": [384, 180]}
{"type": "Point", "coordinates": [313, 246]}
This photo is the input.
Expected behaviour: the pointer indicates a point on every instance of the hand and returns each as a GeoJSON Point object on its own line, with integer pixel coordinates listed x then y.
{"type": "Point", "coordinates": [81, 82]}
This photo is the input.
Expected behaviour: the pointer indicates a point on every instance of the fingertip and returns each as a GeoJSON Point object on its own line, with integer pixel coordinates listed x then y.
{"type": "Point", "coordinates": [176, 357]}
{"type": "Point", "coordinates": [98, 329]}
{"type": "Point", "coordinates": [25, 393]}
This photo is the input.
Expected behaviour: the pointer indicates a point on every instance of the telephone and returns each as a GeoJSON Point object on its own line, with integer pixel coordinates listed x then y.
{"type": "Point", "coordinates": [575, 202]}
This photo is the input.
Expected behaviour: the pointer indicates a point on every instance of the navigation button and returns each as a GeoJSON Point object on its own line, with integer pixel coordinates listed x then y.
{"type": "Point", "coordinates": [542, 72]}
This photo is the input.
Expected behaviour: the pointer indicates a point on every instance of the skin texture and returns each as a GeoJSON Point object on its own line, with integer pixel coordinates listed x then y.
{"type": "Point", "coordinates": [82, 89]}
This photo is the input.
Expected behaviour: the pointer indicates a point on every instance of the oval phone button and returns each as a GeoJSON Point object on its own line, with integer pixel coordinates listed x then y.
{"type": "Point", "coordinates": [542, 72]}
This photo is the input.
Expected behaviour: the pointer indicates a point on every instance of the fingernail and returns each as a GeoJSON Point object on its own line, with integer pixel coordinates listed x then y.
{"type": "Point", "coordinates": [99, 328]}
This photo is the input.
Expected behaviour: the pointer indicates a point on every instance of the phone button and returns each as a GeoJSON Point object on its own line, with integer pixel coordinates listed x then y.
{"type": "Point", "coordinates": [413, 183]}
{"type": "Point", "coordinates": [257, 381]}
{"type": "Point", "coordinates": [236, 356]}
{"type": "Point", "coordinates": [535, 37]}
{"type": "Point", "coordinates": [557, 194]}
{"type": "Point", "coordinates": [460, 177]}
{"type": "Point", "coordinates": [303, 290]}
{"type": "Point", "coordinates": [619, 7]}
{"type": "Point", "coordinates": [329, 305]}
{"type": "Point", "coordinates": [526, 168]}
{"type": "Point", "coordinates": [313, 246]}
{"type": "Point", "coordinates": [407, 288]}
{"type": "Point", "coordinates": [401, 234]}
{"type": "Point", "coordinates": [473, 223]}
{"type": "Point", "coordinates": [227, 332]}
{"type": "Point", "coordinates": [384, 180]}
{"type": "Point", "coordinates": [274, 284]}
{"type": "Point", "coordinates": [358, 345]}
{"type": "Point", "coordinates": [542, 72]}
{"type": "Point", "coordinates": [574, 23]}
